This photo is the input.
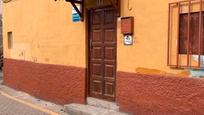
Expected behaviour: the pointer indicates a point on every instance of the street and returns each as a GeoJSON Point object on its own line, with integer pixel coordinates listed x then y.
{"type": "Point", "coordinates": [13, 102]}
{"type": "Point", "coordinates": [11, 107]}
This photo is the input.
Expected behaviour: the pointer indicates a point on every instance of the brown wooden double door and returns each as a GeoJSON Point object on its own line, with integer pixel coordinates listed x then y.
{"type": "Point", "coordinates": [102, 53]}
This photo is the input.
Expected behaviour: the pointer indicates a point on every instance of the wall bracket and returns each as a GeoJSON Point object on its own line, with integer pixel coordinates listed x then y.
{"type": "Point", "coordinates": [79, 11]}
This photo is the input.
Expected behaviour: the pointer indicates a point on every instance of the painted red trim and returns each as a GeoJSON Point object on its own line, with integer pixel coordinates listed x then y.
{"type": "Point", "coordinates": [59, 84]}
{"type": "Point", "coordinates": [135, 93]}
{"type": "Point", "coordinates": [159, 95]}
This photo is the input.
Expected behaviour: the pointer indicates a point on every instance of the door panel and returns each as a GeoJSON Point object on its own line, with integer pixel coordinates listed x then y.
{"type": "Point", "coordinates": [102, 53]}
{"type": "Point", "coordinates": [110, 36]}
{"type": "Point", "coordinates": [97, 53]}
{"type": "Point", "coordinates": [96, 87]}
{"type": "Point", "coordinates": [97, 71]}
{"type": "Point", "coordinates": [109, 89]}
{"type": "Point", "coordinates": [97, 36]}
{"type": "Point", "coordinates": [109, 53]}
{"type": "Point", "coordinates": [109, 71]}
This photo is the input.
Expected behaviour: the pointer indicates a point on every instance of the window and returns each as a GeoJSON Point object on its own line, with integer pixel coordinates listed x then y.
{"type": "Point", "coordinates": [193, 34]}
{"type": "Point", "coordinates": [186, 34]}
{"type": "Point", "coordinates": [10, 40]}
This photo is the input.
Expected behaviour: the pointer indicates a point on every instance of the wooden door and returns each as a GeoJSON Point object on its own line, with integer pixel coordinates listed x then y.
{"type": "Point", "coordinates": [102, 53]}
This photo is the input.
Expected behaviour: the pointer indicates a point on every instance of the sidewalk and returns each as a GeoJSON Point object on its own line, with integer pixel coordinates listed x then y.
{"type": "Point", "coordinates": [10, 107]}
{"type": "Point", "coordinates": [14, 102]}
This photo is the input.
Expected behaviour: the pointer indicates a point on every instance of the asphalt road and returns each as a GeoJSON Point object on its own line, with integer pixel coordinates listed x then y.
{"type": "Point", "coordinates": [11, 107]}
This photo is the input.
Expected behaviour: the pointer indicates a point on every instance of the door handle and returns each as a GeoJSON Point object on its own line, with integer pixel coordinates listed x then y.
{"type": "Point", "coordinates": [90, 44]}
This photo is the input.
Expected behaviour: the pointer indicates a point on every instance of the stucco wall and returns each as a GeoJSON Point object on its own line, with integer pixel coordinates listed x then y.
{"type": "Point", "coordinates": [149, 52]}
{"type": "Point", "coordinates": [142, 94]}
{"type": "Point", "coordinates": [59, 84]}
{"type": "Point", "coordinates": [44, 33]}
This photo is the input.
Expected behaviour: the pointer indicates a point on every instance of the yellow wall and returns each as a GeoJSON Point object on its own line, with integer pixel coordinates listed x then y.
{"type": "Point", "coordinates": [43, 32]}
{"type": "Point", "coordinates": [149, 52]}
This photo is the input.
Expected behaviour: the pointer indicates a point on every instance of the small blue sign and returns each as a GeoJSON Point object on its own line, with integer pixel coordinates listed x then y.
{"type": "Point", "coordinates": [75, 15]}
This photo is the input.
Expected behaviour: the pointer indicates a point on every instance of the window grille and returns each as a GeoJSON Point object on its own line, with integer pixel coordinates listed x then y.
{"type": "Point", "coordinates": [185, 34]}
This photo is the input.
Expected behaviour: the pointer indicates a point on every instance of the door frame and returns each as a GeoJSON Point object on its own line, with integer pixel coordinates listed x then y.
{"type": "Point", "coordinates": [87, 45]}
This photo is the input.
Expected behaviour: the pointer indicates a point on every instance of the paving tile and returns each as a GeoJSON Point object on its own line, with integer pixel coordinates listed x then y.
{"type": "Point", "coordinates": [11, 107]}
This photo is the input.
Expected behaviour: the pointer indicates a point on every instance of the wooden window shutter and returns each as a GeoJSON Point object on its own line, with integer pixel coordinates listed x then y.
{"type": "Point", "coordinates": [194, 33]}
{"type": "Point", "coordinates": [183, 31]}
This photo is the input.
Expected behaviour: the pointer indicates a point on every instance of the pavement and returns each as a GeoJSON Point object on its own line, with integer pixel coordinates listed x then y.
{"type": "Point", "coordinates": [13, 102]}
{"type": "Point", "coordinates": [10, 107]}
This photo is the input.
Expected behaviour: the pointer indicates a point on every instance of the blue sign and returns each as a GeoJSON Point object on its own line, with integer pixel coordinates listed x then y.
{"type": "Point", "coordinates": [75, 15]}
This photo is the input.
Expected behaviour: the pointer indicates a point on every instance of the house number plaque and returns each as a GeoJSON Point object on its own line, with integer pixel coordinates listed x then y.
{"type": "Point", "coordinates": [128, 40]}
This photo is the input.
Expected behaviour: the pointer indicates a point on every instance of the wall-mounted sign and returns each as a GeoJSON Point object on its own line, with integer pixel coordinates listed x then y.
{"type": "Point", "coordinates": [75, 15]}
{"type": "Point", "coordinates": [127, 25]}
{"type": "Point", "coordinates": [128, 40]}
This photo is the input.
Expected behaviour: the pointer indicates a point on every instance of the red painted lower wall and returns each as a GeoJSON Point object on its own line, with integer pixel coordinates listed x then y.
{"type": "Point", "coordinates": [159, 95]}
{"type": "Point", "coordinates": [59, 84]}
{"type": "Point", "coordinates": [135, 93]}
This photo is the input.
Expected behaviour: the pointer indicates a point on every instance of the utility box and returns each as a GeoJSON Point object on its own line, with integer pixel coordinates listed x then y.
{"type": "Point", "coordinates": [127, 25]}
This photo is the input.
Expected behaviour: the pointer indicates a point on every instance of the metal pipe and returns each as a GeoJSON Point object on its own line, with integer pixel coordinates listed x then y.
{"type": "Point", "coordinates": [200, 34]}
{"type": "Point", "coordinates": [178, 35]}
{"type": "Point", "coordinates": [168, 50]}
{"type": "Point", "coordinates": [188, 33]}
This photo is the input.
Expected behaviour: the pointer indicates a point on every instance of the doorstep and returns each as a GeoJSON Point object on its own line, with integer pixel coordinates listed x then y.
{"type": "Point", "coordinates": [102, 104]}
{"type": "Point", "coordinates": [94, 107]}
{"type": "Point", "coordinates": [80, 109]}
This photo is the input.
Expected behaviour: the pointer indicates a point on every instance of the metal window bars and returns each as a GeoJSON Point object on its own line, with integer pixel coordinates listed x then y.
{"type": "Point", "coordinates": [174, 58]}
